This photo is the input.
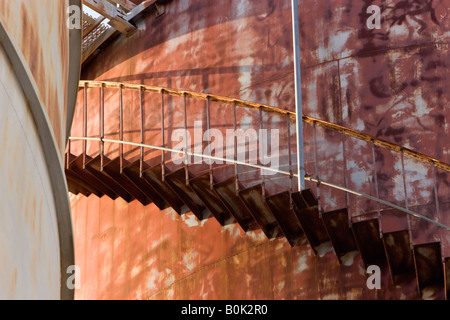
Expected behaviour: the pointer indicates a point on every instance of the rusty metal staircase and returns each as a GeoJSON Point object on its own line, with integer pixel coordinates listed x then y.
{"type": "Point", "coordinates": [382, 232]}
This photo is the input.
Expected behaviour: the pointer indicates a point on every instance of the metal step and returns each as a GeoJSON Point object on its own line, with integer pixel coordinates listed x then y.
{"type": "Point", "coordinates": [177, 181]}
{"type": "Point", "coordinates": [75, 187]}
{"type": "Point", "coordinates": [369, 242]}
{"type": "Point", "coordinates": [133, 171]}
{"type": "Point", "coordinates": [399, 256]}
{"type": "Point", "coordinates": [429, 270]}
{"type": "Point", "coordinates": [254, 201]}
{"type": "Point", "coordinates": [201, 185]}
{"type": "Point", "coordinates": [76, 183]}
{"type": "Point", "coordinates": [112, 168]}
{"type": "Point", "coordinates": [153, 176]}
{"type": "Point", "coordinates": [307, 209]}
{"type": "Point", "coordinates": [76, 166]}
{"type": "Point", "coordinates": [341, 235]}
{"type": "Point", "coordinates": [226, 191]}
{"type": "Point", "coordinates": [93, 165]}
{"type": "Point", "coordinates": [280, 205]}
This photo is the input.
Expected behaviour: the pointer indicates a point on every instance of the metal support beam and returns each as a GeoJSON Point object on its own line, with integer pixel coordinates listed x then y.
{"type": "Point", "coordinates": [117, 17]}
{"type": "Point", "coordinates": [125, 4]}
{"type": "Point", "coordinates": [298, 96]}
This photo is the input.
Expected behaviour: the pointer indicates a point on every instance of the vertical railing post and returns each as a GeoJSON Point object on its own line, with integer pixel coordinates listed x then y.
{"type": "Point", "coordinates": [298, 96]}
{"type": "Point", "coordinates": [291, 176]}
{"type": "Point", "coordinates": [235, 147]}
{"type": "Point", "coordinates": [85, 125]}
{"type": "Point", "coordinates": [187, 153]}
{"type": "Point", "coordinates": [438, 210]}
{"type": "Point", "coordinates": [316, 163]}
{"type": "Point", "coordinates": [69, 151]}
{"type": "Point", "coordinates": [347, 195]}
{"type": "Point", "coordinates": [121, 127]}
{"type": "Point", "coordinates": [404, 179]}
{"type": "Point", "coordinates": [436, 196]}
{"type": "Point", "coordinates": [377, 192]}
{"type": "Point", "coordinates": [102, 126]}
{"type": "Point", "coordinates": [142, 115]}
{"type": "Point", "coordinates": [406, 197]}
{"type": "Point", "coordinates": [163, 155]}
{"type": "Point", "coordinates": [208, 128]}
{"type": "Point", "coordinates": [261, 128]}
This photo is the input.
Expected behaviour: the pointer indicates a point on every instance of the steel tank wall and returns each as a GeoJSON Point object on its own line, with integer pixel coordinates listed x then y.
{"type": "Point", "coordinates": [389, 83]}
{"type": "Point", "coordinates": [39, 66]}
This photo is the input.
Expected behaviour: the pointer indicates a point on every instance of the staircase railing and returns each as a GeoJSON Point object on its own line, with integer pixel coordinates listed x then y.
{"type": "Point", "coordinates": [235, 103]}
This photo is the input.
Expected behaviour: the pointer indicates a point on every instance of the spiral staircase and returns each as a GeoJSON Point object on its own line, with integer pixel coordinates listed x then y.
{"type": "Point", "coordinates": [134, 169]}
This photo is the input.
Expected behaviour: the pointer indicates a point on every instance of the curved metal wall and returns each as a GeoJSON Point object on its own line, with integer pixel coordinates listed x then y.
{"type": "Point", "coordinates": [389, 83]}
{"type": "Point", "coordinates": [40, 64]}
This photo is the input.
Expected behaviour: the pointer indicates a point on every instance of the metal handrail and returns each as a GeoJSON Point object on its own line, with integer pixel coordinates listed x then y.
{"type": "Point", "coordinates": [246, 104]}
{"type": "Point", "coordinates": [308, 178]}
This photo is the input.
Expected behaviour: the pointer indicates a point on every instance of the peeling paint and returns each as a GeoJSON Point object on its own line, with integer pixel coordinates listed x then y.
{"type": "Point", "coordinates": [349, 258]}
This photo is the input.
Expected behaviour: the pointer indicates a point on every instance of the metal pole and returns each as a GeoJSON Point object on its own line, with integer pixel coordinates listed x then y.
{"type": "Point", "coordinates": [298, 96]}
{"type": "Point", "coordinates": [142, 115]}
{"type": "Point", "coordinates": [208, 124]}
{"type": "Point", "coordinates": [102, 125]}
{"type": "Point", "coordinates": [85, 130]}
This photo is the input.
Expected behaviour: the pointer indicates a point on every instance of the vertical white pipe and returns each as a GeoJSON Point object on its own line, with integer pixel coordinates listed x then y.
{"type": "Point", "coordinates": [298, 96]}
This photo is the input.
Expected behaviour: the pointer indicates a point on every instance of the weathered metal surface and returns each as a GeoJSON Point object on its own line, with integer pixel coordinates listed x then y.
{"type": "Point", "coordinates": [80, 185]}
{"type": "Point", "coordinates": [40, 65]}
{"type": "Point", "coordinates": [254, 200]}
{"type": "Point", "coordinates": [447, 277]}
{"type": "Point", "coordinates": [338, 228]}
{"type": "Point", "coordinates": [399, 254]}
{"type": "Point", "coordinates": [112, 168]}
{"type": "Point", "coordinates": [429, 270]}
{"type": "Point", "coordinates": [132, 171]}
{"type": "Point", "coordinates": [93, 165]}
{"type": "Point", "coordinates": [177, 181]}
{"type": "Point", "coordinates": [388, 83]}
{"type": "Point", "coordinates": [75, 187]}
{"type": "Point", "coordinates": [307, 211]}
{"type": "Point", "coordinates": [154, 177]}
{"type": "Point", "coordinates": [30, 264]}
{"type": "Point", "coordinates": [393, 220]}
{"type": "Point", "coordinates": [138, 252]}
{"type": "Point", "coordinates": [226, 190]}
{"type": "Point", "coordinates": [370, 245]}
{"type": "Point", "coordinates": [202, 188]}
{"type": "Point", "coordinates": [75, 167]}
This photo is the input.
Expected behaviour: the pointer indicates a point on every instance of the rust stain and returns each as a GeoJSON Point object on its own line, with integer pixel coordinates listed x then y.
{"type": "Point", "coordinates": [48, 64]}
{"type": "Point", "coordinates": [390, 84]}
